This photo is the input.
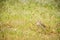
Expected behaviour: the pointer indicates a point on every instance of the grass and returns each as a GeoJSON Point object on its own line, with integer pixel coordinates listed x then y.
{"type": "Point", "coordinates": [30, 20]}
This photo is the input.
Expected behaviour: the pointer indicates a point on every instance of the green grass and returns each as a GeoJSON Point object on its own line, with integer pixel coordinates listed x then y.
{"type": "Point", "coordinates": [29, 20]}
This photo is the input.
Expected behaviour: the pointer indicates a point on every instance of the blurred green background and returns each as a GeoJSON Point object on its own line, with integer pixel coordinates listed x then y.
{"type": "Point", "coordinates": [29, 19]}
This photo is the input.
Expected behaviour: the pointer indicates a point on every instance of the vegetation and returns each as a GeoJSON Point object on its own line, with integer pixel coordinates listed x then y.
{"type": "Point", "coordinates": [29, 19]}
